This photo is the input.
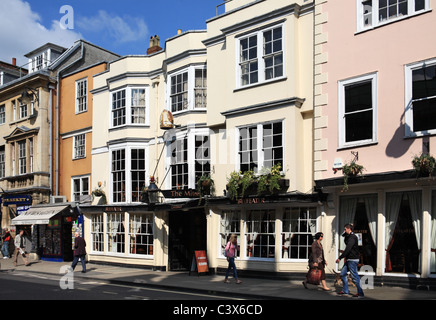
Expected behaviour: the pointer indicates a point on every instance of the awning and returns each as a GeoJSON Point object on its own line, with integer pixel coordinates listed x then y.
{"type": "Point", "coordinates": [37, 215]}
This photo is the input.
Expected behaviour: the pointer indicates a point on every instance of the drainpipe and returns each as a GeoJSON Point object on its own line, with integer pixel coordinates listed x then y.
{"type": "Point", "coordinates": [50, 164]}
{"type": "Point", "coordinates": [57, 116]}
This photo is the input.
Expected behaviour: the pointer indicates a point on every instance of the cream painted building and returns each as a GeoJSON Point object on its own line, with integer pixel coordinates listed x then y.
{"type": "Point", "coordinates": [241, 96]}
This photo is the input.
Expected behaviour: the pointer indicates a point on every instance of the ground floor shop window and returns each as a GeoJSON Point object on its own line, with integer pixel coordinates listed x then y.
{"type": "Point", "coordinates": [230, 224]}
{"type": "Point", "coordinates": [298, 228]}
{"type": "Point", "coordinates": [141, 234]}
{"type": "Point", "coordinates": [403, 225]}
{"type": "Point", "coordinates": [360, 211]}
{"type": "Point", "coordinates": [260, 233]}
{"type": "Point", "coordinates": [116, 232]}
{"type": "Point", "coordinates": [97, 235]}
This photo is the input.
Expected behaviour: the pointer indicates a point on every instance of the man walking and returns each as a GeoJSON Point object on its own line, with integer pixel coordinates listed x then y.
{"type": "Point", "coordinates": [351, 255]}
{"type": "Point", "coordinates": [79, 251]}
{"type": "Point", "coordinates": [20, 245]}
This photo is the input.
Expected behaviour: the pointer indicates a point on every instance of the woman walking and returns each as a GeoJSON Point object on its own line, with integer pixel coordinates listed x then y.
{"type": "Point", "coordinates": [316, 260]}
{"type": "Point", "coordinates": [230, 253]}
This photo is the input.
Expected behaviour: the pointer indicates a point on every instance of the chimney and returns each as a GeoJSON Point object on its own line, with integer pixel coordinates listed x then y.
{"type": "Point", "coordinates": [154, 45]}
{"type": "Point", "coordinates": [179, 31]}
{"type": "Point", "coordinates": [14, 61]}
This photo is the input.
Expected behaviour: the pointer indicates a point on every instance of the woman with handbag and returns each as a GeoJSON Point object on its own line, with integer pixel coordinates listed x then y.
{"type": "Point", "coordinates": [230, 253]}
{"type": "Point", "coordinates": [317, 264]}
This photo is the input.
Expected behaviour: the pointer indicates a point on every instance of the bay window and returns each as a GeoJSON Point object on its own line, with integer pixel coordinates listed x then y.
{"type": "Point", "coordinates": [129, 106]}
{"type": "Point", "coordinates": [261, 56]}
{"type": "Point", "coordinates": [128, 173]}
{"type": "Point", "coordinates": [260, 145]}
{"type": "Point", "coordinates": [188, 89]}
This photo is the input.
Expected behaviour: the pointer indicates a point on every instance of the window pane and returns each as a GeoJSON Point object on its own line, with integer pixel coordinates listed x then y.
{"type": "Point", "coordinates": [424, 82]}
{"type": "Point", "coordinates": [424, 115]}
{"type": "Point", "coordinates": [358, 126]}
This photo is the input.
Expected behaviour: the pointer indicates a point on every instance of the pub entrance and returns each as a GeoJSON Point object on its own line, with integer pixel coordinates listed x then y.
{"type": "Point", "coordinates": [187, 233]}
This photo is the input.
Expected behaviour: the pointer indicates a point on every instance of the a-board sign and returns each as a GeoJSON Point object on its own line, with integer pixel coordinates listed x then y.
{"type": "Point", "coordinates": [200, 262]}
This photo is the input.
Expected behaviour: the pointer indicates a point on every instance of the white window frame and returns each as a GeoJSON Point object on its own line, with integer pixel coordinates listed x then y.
{"type": "Point", "coordinates": [2, 162]}
{"type": "Point", "coordinates": [128, 107]}
{"type": "Point", "coordinates": [22, 157]}
{"type": "Point", "coordinates": [81, 99]}
{"type": "Point", "coordinates": [408, 69]}
{"type": "Point", "coordinates": [286, 224]}
{"type": "Point", "coordinates": [341, 109]}
{"type": "Point", "coordinates": [76, 147]}
{"type": "Point", "coordinates": [128, 176]}
{"type": "Point", "coordinates": [260, 57]}
{"type": "Point", "coordinates": [260, 147]}
{"type": "Point", "coordinates": [375, 14]}
{"type": "Point", "coordinates": [190, 135]}
{"type": "Point", "coordinates": [190, 103]}
{"type": "Point", "coordinates": [2, 114]}
{"type": "Point", "coordinates": [82, 190]}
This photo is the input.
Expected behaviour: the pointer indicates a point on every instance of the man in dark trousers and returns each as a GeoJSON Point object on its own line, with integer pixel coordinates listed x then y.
{"type": "Point", "coordinates": [79, 251]}
{"type": "Point", "coordinates": [351, 255]}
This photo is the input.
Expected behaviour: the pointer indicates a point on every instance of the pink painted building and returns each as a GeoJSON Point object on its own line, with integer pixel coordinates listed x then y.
{"type": "Point", "coordinates": [375, 104]}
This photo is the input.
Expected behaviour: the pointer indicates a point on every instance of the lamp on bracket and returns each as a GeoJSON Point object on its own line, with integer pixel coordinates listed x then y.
{"type": "Point", "coordinates": [29, 93]}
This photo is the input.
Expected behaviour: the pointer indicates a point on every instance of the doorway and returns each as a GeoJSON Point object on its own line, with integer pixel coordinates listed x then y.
{"type": "Point", "coordinates": [187, 233]}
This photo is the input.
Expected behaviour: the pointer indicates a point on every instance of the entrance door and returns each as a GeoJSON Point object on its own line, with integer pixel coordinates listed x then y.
{"type": "Point", "coordinates": [187, 233]}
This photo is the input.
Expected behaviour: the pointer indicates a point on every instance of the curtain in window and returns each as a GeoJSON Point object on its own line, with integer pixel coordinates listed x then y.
{"type": "Point", "coordinates": [371, 205]}
{"type": "Point", "coordinates": [433, 234]}
{"type": "Point", "coordinates": [347, 210]}
{"type": "Point", "coordinates": [393, 203]}
{"type": "Point", "coordinates": [415, 203]}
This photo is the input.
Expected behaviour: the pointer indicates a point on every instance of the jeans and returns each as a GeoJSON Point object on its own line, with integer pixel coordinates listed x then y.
{"type": "Point", "coordinates": [352, 267]}
{"type": "Point", "coordinates": [76, 261]}
{"type": "Point", "coordinates": [5, 249]}
{"type": "Point", "coordinates": [231, 265]}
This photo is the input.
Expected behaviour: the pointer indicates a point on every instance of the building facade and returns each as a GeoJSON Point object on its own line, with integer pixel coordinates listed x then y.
{"type": "Point", "coordinates": [240, 95]}
{"type": "Point", "coordinates": [374, 100]}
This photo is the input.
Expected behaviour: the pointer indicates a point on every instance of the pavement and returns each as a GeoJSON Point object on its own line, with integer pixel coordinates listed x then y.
{"type": "Point", "coordinates": [251, 287]}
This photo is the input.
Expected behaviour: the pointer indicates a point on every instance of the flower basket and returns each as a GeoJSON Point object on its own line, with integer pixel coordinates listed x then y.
{"type": "Point", "coordinates": [351, 170]}
{"type": "Point", "coordinates": [424, 165]}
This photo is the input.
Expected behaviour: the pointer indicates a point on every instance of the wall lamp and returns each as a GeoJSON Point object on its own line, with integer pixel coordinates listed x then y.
{"type": "Point", "coordinates": [29, 93]}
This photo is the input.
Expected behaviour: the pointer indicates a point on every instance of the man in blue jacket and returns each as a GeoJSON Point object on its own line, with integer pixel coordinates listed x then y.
{"type": "Point", "coordinates": [351, 255]}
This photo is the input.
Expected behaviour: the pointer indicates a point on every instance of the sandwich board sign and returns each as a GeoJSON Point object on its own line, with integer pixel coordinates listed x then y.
{"type": "Point", "coordinates": [199, 262]}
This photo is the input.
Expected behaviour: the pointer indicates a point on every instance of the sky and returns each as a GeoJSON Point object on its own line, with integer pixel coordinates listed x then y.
{"type": "Point", "coordinates": [123, 27]}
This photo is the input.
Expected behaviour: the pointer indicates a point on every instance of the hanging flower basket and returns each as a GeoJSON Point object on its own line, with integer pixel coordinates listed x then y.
{"type": "Point", "coordinates": [351, 170]}
{"type": "Point", "coordinates": [424, 165]}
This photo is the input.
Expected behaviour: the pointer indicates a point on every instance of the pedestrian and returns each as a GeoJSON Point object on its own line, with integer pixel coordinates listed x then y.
{"type": "Point", "coordinates": [79, 251]}
{"type": "Point", "coordinates": [316, 260]}
{"type": "Point", "coordinates": [5, 247]}
{"type": "Point", "coordinates": [20, 245]}
{"type": "Point", "coordinates": [351, 256]}
{"type": "Point", "coordinates": [230, 252]}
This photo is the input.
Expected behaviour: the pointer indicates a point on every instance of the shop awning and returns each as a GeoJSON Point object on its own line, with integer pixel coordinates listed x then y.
{"type": "Point", "coordinates": [37, 215]}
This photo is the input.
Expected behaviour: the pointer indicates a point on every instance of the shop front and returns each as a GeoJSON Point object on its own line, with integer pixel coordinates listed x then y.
{"type": "Point", "coordinates": [394, 219]}
{"type": "Point", "coordinates": [52, 229]}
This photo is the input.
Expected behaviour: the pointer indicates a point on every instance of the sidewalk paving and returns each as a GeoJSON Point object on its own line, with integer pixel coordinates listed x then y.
{"type": "Point", "coordinates": [251, 288]}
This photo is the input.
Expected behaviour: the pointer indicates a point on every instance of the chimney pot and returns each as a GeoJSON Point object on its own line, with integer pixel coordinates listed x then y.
{"type": "Point", "coordinates": [14, 61]}
{"type": "Point", "coordinates": [179, 31]}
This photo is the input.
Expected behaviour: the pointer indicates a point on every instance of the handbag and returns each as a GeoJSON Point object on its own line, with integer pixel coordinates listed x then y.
{"type": "Point", "coordinates": [314, 276]}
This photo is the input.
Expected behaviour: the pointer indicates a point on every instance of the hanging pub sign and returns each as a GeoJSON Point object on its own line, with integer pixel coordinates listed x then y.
{"type": "Point", "coordinates": [166, 120]}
